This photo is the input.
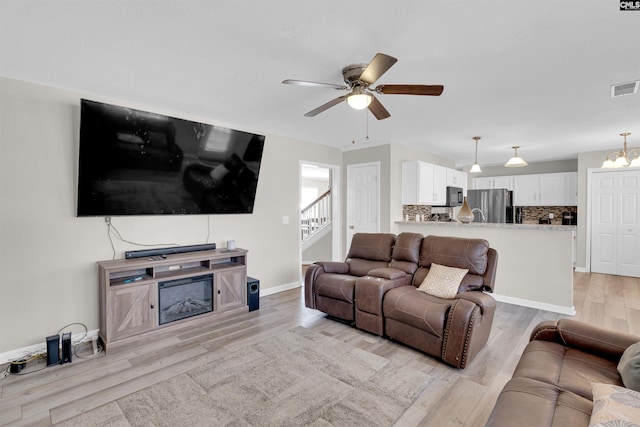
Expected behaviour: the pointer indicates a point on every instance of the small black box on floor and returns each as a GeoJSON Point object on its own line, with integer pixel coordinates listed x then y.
{"type": "Point", "coordinates": [53, 350]}
{"type": "Point", "coordinates": [66, 347]}
{"type": "Point", "coordinates": [253, 293]}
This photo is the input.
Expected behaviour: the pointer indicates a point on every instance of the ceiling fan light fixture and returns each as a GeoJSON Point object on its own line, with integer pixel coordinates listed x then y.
{"type": "Point", "coordinates": [359, 99]}
{"type": "Point", "coordinates": [516, 161]}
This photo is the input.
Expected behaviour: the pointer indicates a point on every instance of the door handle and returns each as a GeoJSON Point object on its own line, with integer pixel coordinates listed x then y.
{"type": "Point", "coordinates": [352, 227]}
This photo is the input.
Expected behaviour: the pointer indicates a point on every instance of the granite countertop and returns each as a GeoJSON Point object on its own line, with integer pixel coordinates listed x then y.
{"type": "Point", "coordinates": [525, 226]}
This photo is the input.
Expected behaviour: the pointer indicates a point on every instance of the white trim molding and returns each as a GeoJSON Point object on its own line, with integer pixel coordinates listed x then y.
{"type": "Point", "coordinates": [278, 289]}
{"type": "Point", "coordinates": [11, 355]}
{"type": "Point", "coordinates": [571, 311]}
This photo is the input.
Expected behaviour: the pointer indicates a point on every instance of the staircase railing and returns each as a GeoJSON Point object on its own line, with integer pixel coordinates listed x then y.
{"type": "Point", "coordinates": [316, 216]}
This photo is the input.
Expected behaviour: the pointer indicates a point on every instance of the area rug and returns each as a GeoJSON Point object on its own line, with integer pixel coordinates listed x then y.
{"type": "Point", "coordinates": [296, 378]}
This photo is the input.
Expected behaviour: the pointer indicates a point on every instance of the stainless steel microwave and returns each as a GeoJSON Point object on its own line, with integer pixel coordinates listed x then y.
{"type": "Point", "coordinates": [454, 196]}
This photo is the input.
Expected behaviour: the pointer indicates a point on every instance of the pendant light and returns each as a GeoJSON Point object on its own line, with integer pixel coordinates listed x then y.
{"type": "Point", "coordinates": [516, 161]}
{"type": "Point", "coordinates": [476, 167]}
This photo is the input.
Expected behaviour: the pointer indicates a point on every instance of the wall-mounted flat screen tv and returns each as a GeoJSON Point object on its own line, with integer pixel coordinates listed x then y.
{"type": "Point", "coordinates": [139, 163]}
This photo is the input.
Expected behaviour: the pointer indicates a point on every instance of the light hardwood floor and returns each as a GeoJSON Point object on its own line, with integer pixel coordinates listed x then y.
{"type": "Point", "coordinates": [452, 397]}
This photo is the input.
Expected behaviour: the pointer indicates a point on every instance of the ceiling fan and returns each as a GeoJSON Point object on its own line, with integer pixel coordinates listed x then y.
{"type": "Point", "coordinates": [358, 79]}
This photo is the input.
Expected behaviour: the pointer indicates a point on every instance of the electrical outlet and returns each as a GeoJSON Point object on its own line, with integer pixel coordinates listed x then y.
{"type": "Point", "coordinates": [107, 219]}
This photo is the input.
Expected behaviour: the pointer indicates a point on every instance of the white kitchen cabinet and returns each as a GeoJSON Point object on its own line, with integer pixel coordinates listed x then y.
{"type": "Point", "coordinates": [439, 185]}
{"type": "Point", "coordinates": [483, 183]}
{"type": "Point", "coordinates": [503, 182]}
{"type": "Point", "coordinates": [548, 189]}
{"type": "Point", "coordinates": [491, 182]}
{"type": "Point", "coordinates": [456, 178]}
{"type": "Point", "coordinates": [571, 189]}
{"type": "Point", "coordinates": [417, 183]}
{"type": "Point", "coordinates": [423, 183]}
{"type": "Point", "coordinates": [526, 190]}
{"type": "Point", "coordinates": [552, 189]}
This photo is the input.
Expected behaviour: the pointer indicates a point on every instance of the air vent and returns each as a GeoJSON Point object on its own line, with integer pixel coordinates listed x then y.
{"type": "Point", "coordinates": [625, 89]}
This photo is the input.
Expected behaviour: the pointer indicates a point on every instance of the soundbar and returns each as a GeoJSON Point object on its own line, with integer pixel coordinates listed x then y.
{"type": "Point", "coordinates": [169, 251]}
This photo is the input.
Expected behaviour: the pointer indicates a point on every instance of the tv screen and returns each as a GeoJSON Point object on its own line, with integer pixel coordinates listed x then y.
{"type": "Point", "coordinates": [139, 163]}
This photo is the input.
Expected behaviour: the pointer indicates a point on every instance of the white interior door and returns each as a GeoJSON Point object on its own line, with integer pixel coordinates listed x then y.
{"type": "Point", "coordinates": [628, 260]}
{"type": "Point", "coordinates": [615, 232]}
{"type": "Point", "coordinates": [363, 199]}
{"type": "Point", "coordinates": [603, 223]}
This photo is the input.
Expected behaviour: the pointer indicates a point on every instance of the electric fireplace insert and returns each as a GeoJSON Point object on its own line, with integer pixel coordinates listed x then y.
{"type": "Point", "coordinates": [182, 298]}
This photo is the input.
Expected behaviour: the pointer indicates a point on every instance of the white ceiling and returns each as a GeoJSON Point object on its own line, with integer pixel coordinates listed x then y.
{"type": "Point", "coordinates": [536, 74]}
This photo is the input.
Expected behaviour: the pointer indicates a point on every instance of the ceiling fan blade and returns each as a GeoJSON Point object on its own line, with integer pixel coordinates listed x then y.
{"type": "Point", "coordinates": [377, 109]}
{"type": "Point", "coordinates": [377, 67]}
{"type": "Point", "coordinates": [313, 84]}
{"type": "Point", "coordinates": [433, 90]}
{"type": "Point", "coordinates": [326, 106]}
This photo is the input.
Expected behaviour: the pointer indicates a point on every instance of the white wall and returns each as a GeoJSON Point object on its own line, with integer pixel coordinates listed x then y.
{"type": "Point", "coordinates": [48, 273]}
{"type": "Point", "coordinates": [390, 157]}
{"type": "Point", "coordinates": [532, 168]}
{"type": "Point", "coordinates": [321, 250]}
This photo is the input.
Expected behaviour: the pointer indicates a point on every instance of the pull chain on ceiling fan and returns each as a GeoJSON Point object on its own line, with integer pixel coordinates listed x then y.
{"type": "Point", "coordinates": [359, 78]}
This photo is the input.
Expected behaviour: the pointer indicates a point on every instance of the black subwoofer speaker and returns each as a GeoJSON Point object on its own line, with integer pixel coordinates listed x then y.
{"type": "Point", "coordinates": [253, 293]}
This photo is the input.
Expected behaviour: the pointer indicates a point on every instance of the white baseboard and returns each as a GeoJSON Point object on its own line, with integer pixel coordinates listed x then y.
{"type": "Point", "coordinates": [281, 288]}
{"type": "Point", "coordinates": [536, 304]}
{"type": "Point", "coordinates": [581, 269]}
{"type": "Point", "coordinates": [11, 355]}
{"type": "Point", "coordinates": [19, 353]}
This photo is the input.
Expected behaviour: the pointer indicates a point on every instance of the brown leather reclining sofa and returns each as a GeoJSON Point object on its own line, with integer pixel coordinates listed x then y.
{"type": "Point", "coordinates": [552, 383]}
{"type": "Point", "coordinates": [376, 289]}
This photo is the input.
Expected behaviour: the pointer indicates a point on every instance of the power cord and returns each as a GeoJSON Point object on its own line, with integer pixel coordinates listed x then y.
{"type": "Point", "coordinates": [17, 365]}
{"type": "Point", "coordinates": [113, 231]}
{"type": "Point", "coordinates": [77, 341]}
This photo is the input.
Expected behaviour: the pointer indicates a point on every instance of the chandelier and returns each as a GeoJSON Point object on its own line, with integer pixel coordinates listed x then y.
{"type": "Point", "coordinates": [621, 159]}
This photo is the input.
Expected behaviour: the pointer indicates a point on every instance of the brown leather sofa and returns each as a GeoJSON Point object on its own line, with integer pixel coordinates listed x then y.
{"type": "Point", "coordinates": [552, 383]}
{"type": "Point", "coordinates": [370, 289]}
{"type": "Point", "coordinates": [330, 285]}
{"type": "Point", "coordinates": [380, 294]}
{"type": "Point", "coordinates": [452, 329]}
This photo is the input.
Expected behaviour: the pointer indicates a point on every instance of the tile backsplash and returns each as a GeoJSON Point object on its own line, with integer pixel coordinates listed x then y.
{"type": "Point", "coordinates": [535, 213]}
{"type": "Point", "coordinates": [530, 214]}
{"type": "Point", "coordinates": [409, 212]}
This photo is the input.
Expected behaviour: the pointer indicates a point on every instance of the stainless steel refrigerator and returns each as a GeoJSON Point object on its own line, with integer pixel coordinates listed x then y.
{"type": "Point", "coordinates": [496, 205]}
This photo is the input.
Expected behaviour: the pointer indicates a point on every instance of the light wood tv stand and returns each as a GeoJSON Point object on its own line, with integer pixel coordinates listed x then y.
{"type": "Point", "coordinates": [129, 292]}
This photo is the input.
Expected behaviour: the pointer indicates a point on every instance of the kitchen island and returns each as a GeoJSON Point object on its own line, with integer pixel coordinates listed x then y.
{"type": "Point", "coordinates": [535, 261]}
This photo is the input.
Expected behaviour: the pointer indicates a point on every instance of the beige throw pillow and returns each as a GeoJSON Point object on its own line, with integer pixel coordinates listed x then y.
{"type": "Point", "coordinates": [614, 406]}
{"type": "Point", "coordinates": [442, 281]}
